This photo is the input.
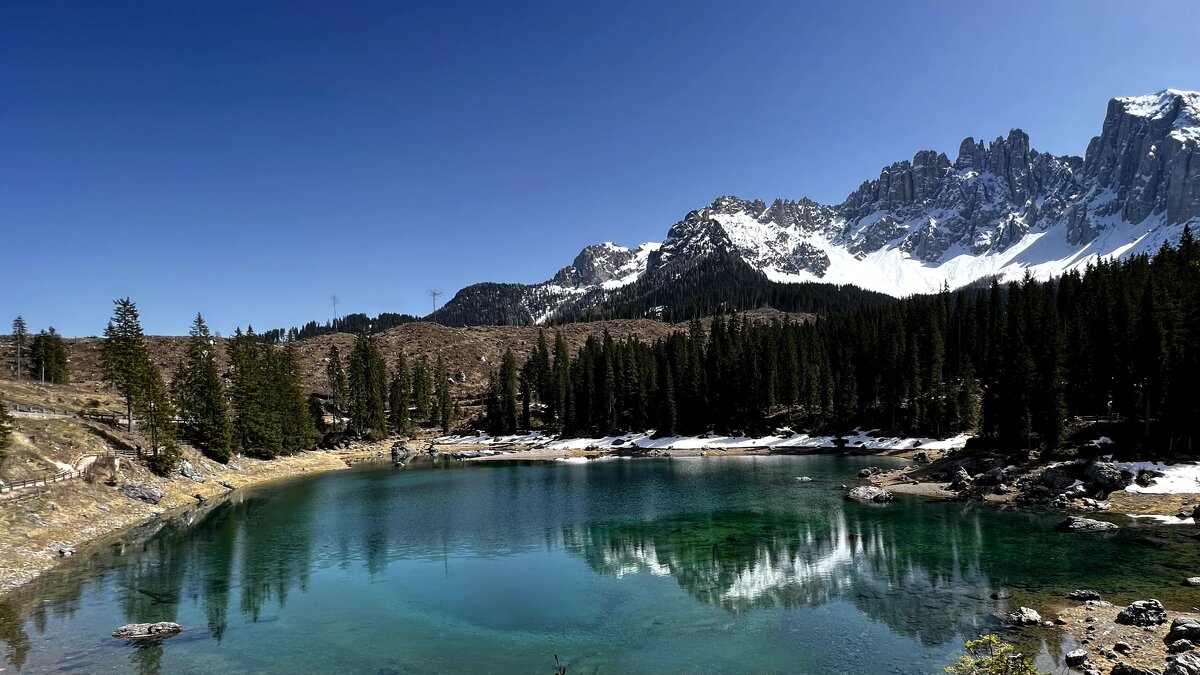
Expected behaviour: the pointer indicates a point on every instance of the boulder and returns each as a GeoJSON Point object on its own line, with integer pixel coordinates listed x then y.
{"type": "Point", "coordinates": [142, 492]}
{"type": "Point", "coordinates": [868, 472]}
{"type": "Point", "coordinates": [1145, 477]}
{"type": "Point", "coordinates": [1025, 617]}
{"type": "Point", "coordinates": [869, 494]}
{"type": "Point", "coordinates": [922, 457]}
{"type": "Point", "coordinates": [1076, 658]}
{"type": "Point", "coordinates": [961, 481]}
{"type": "Point", "coordinates": [1084, 594]}
{"type": "Point", "coordinates": [1184, 628]}
{"type": "Point", "coordinates": [1180, 646]}
{"type": "Point", "coordinates": [1191, 581]}
{"type": "Point", "coordinates": [1187, 663]}
{"type": "Point", "coordinates": [1102, 478]}
{"type": "Point", "coordinates": [1058, 478]}
{"type": "Point", "coordinates": [147, 632]}
{"type": "Point", "coordinates": [803, 479]}
{"type": "Point", "coordinates": [1078, 524]}
{"type": "Point", "coordinates": [1142, 613]}
{"type": "Point", "coordinates": [188, 471]}
{"type": "Point", "coordinates": [225, 484]}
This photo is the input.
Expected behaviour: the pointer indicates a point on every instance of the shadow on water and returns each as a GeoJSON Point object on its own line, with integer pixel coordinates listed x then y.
{"type": "Point", "coordinates": [738, 536]}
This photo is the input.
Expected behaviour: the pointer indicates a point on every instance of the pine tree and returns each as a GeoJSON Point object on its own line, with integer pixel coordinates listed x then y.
{"type": "Point", "coordinates": [339, 389]}
{"type": "Point", "coordinates": [296, 429]}
{"type": "Point", "coordinates": [19, 332]}
{"type": "Point", "coordinates": [156, 415]}
{"type": "Point", "coordinates": [200, 395]}
{"type": "Point", "coordinates": [368, 389]}
{"type": "Point", "coordinates": [444, 403]}
{"type": "Point", "coordinates": [399, 395]}
{"type": "Point", "coordinates": [561, 381]}
{"type": "Point", "coordinates": [508, 392]}
{"type": "Point", "coordinates": [421, 397]}
{"type": "Point", "coordinates": [48, 357]}
{"type": "Point", "coordinates": [255, 430]}
{"type": "Point", "coordinates": [124, 358]}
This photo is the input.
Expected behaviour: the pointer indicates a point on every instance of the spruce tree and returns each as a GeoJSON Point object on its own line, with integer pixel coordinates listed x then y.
{"type": "Point", "coordinates": [48, 360]}
{"type": "Point", "coordinates": [368, 389]}
{"type": "Point", "coordinates": [296, 429]}
{"type": "Point", "coordinates": [200, 395]}
{"type": "Point", "coordinates": [19, 332]}
{"type": "Point", "coordinates": [508, 392]}
{"type": "Point", "coordinates": [444, 403]}
{"type": "Point", "coordinates": [124, 359]}
{"type": "Point", "coordinates": [255, 431]}
{"type": "Point", "coordinates": [339, 389]}
{"type": "Point", "coordinates": [421, 397]}
{"type": "Point", "coordinates": [399, 396]}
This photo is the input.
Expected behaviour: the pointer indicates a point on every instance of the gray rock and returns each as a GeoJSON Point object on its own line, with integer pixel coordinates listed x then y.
{"type": "Point", "coordinates": [1184, 628]}
{"type": "Point", "coordinates": [1025, 617]}
{"type": "Point", "coordinates": [1126, 669]}
{"type": "Point", "coordinates": [1142, 613]}
{"type": "Point", "coordinates": [803, 479]}
{"type": "Point", "coordinates": [1076, 658]}
{"type": "Point", "coordinates": [147, 632]}
{"type": "Point", "coordinates": [1187, 663]}
{"type": "Point", "coordinates": [961, 481]}
{"type": "Point", "coordinates": [225, 484]}
{"type": "Point", "coordinates": [1078, 524]}
{"type": "Point", "coordinates": [188, 471]}
{"type": "Point", "coordinates": [1122, 648]}
{"type": "Point", "coordinates": [869, 494]}
{"type": "Point", "coordinates": [1102, 478]}
{"type": "Point", "coordinates": [1180, 646]}
{"type": "Point", "coordinates": [1191, 581]}
{"type": "Point", "coordinates": [142, 492]}
{"type": "Point", "coordinates": [1083, 594]}
{"type": "Point", "coordinates": [868, 472]}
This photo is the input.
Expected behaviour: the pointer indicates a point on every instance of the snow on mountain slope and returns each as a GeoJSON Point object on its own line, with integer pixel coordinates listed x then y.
{"type": "Point", "coordinates": [999, 209]}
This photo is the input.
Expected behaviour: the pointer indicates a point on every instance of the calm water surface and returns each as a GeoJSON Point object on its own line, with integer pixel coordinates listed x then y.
{"type": "Point", "coordinates": [672, 565]}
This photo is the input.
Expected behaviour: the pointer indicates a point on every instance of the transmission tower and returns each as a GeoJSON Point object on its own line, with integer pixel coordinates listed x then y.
{"type": "Point", "coordinates": [434, 295]}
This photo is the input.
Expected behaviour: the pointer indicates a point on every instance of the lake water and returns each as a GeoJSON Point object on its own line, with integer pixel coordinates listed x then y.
{"type": "Point", "coordinates": [616, 566]}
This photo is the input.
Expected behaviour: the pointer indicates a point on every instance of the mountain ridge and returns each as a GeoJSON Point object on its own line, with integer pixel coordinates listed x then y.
{"type": "Point", "coordinates": [1000, 209]}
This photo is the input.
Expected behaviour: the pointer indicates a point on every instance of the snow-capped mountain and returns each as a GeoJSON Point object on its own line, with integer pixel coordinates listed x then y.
{"type": "Point", "coordinates": [999, 208]}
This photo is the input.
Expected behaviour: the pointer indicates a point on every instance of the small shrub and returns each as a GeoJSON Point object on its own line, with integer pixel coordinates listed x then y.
{"type": "Point", "coordinates": [164, 462]}
{"type": "Point", "coordinates": [989, 655]}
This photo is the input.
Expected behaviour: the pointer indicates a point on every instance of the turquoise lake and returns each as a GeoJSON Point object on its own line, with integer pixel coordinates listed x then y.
{"type": "Point", "coordinates": [722, 565]}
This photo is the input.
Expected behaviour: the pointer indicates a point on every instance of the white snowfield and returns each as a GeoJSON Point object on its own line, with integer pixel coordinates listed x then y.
{"type": "Point", "coordinates": [864, 440]}
{"type": "Point", "coordinates": [1183, 478]}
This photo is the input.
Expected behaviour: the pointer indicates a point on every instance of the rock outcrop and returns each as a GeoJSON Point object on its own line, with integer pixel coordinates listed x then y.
{"type": "Point", "coordinates": [869, 494]}
{"type": "Point", "coordinates": [1078, 524]}
{"type": "Point", "coordinates": [141, 492]}
{"type": "Point", "coordinates": [1143, 613]}
{"type": "Point", "coordinates": [147, 632]}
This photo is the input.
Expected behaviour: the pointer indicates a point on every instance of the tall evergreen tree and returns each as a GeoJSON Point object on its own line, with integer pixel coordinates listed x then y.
{"type": "Point", "coordinates": [256, 431]}
{"type": "Point", "coordinates": [400, 395]}
{"type": "Point", "coordinates": [444, 404]}
{"type": "Point", "coordinates": [339, 388]}
{"type": "Point", "coordinates": [368, 389]}
{"type": "Point", "coordinates": [296, 429]}
{"type": "Point", "coordinates": [19, 332]}
{"type": "Point", "coordinates": [421, 395]}
{"type": "Point", "coordinates": [48, 360]}
{"type": "Point", "coordinates": [200, 395]}
{"type": "Point", "coordinates": [124, 359]}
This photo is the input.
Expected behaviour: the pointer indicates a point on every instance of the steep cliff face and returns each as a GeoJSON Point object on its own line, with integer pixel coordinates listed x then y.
{"type": "Point", "coordinates": [1148, 157]}
{"type": "Point", "coordinates": [1000, 208]}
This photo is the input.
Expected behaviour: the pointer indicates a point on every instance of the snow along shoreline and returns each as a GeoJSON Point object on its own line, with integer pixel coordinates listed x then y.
{"type": "Point", "coordinates": [786, 439]}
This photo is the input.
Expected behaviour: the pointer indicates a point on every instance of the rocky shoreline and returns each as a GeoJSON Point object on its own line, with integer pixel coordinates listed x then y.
{"type": "Point", "coordinates": [40, 528]}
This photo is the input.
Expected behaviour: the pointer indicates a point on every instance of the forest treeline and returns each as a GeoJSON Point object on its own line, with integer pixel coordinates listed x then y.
{"type": "Point", "coordinates": [1017, 364]}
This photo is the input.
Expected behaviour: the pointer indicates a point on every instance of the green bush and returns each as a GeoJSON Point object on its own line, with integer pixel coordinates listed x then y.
{"type": "Point", "coordinates": [165, 461]}
{"type": "Point", "coordinates": [989, 655]}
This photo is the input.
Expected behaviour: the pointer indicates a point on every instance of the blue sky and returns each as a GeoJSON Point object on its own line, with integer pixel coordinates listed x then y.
{"type": "Point", "coordinates": [248, 160]}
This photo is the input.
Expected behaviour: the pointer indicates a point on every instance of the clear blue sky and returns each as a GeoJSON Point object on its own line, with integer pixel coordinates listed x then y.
{"type": "Point", "coordinates": [249, 159]}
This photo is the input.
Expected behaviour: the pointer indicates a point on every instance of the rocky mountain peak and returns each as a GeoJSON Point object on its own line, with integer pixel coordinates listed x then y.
{"type": "Point", "coordinates": [1148, 157]}
{"type": "Point", "coordinates": [594, 265]}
